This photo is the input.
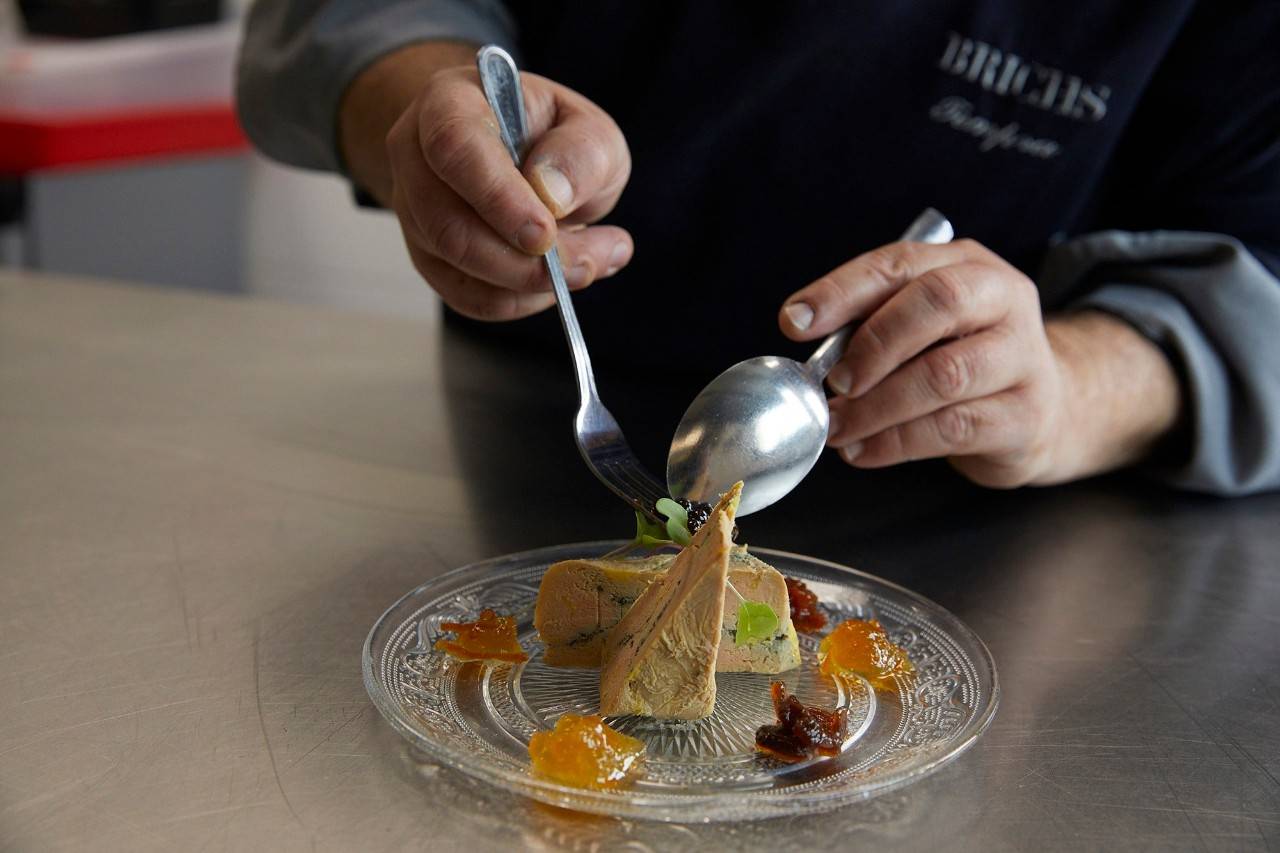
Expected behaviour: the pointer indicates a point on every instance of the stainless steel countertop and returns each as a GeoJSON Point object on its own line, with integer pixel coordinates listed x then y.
{"type": "Point", "coordinates": [205, 502]}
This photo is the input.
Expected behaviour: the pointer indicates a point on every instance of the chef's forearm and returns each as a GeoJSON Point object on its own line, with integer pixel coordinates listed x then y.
{"type": "Point", "coordinates": [1123, 396]}
{"type": "Point", "coordinates": [377, 98]}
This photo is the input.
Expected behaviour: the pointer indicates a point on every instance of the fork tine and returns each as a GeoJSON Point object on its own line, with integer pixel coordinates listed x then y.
{"type": "Point", "coordinates": [624, 475]}
{"type": "Point", "coordinates": [645, 484]}
{"type": "Point", "coordinates": [634, 481]}
{"type": "Point", "coordinates": [654, 489]}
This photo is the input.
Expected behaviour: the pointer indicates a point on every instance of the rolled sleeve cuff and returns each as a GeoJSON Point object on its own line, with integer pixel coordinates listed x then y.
{"type": "Point", "coordinates": [293, 75]}
{"type": "Point", "coordinates": [1216, 311]}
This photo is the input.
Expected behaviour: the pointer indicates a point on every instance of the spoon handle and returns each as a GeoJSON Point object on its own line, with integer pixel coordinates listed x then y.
{"type": "Point", "coordinates": [501, 83]}
{"type": "Point", "coordinates": [929, 227]}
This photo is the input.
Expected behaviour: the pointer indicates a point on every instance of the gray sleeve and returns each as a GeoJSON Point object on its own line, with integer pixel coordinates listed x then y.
{"type": "Point", "coordinates": [1215, 308]}
{"type": "Point", "coordinates": [298, 57]}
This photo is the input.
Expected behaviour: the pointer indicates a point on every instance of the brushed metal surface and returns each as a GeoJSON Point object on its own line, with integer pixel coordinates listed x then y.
{"type": "Point", "coordinates": [205, 503]}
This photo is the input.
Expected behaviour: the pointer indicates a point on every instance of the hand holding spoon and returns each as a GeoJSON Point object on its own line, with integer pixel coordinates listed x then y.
{"type": "Point", "coordinates": [764, 421]}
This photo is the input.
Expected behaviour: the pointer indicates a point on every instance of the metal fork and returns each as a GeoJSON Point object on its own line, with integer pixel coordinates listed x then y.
{"type": "Point", "coordinates": [599, 438]}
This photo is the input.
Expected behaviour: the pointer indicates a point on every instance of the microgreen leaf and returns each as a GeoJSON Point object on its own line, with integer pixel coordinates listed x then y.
{"type": "Point", "coordinates": [677, 520]}
{"type": "Point", "coordinates": [756, 621]}
{"type": "Point", "coordinates": [648, 530]}
{"type": "Point", "coordinates": [672, 510]}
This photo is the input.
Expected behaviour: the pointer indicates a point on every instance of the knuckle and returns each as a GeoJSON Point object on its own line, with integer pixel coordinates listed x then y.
{"type": "Point", "coordinates": [471, 299]}
{"type": "Point", "coordinates": [827, 290]}
{"type": "Point", "coordinates": [444, 280]}
{"type": "Point", "coordinates": [450, 238]}
{"type": "Point", "coordinates": [945, 290]}
{"type": "Point", "coordinates": [891, 263]}
{"type": "Point", "coordinates": [595, 159]}
{"type": "Point", "coordinates": [890, 444]}
{"type": "Point", "coordinates": [875, 339]}
{"type": "Point", "coordinates": [957, 426]}
{"type": "Point", "coordinates": [1026, 291]}
{"type": "Point", "coordinates": [534, 277]}
{"type": "Point", "coordinates": [1035, 413]}
{"type": "Point", "coordinates": [420, 266]}
{"type": "Point", "coordinates": [622, 162]}
{"type": "Point", "coordinates": [438, 82]}
{"type": "Point", "coordinates": [444, 93]}
{"type": "Point", "coordinates": [623, 175]}
{"type": "Point", "coordinates": [449, 143]}
{"type": "Point", "coordinates": [492, 309]}
{"type": "Point", "coordinates": [613, 162]}
{"type": "Point", "coordinates": [948, 374]}
{"type": "Point", "coordinates": [495, 195]}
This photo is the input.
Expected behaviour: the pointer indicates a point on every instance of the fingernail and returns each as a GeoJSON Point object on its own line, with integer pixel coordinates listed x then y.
{"type": "Point", "coordinates": [840, 379]}
{"type": "Point", "coordinates": [579, 275]}
{"type": "Point", "coordinates": [833, 428]}
{"type": "Point", "coordinates": [617, 258]}
{"type": "Point", "coordinates": [850, 452]}
{"type": "Point", "coordinates": [532, 237]}
{"type": "Point", "coordinates": [557, 186]}
{"type": "Point", "coordinates": [800, 315]}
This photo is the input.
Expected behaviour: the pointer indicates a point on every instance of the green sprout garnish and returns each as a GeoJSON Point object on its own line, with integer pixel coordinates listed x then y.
{"type": "Point", "coordinates": [677, 520]}
{"type": "Point", "coordinates": [649, 533]}
{"type": "Point", "coordinates": [655, 534]}
{"type": "Point", "coordinates": [756, 621]}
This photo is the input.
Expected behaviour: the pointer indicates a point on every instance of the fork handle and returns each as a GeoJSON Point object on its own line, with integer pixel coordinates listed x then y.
{"type": "Point", "coordinates": [501, 83]}
{"type": "Point", "coordinates": [929, 227]}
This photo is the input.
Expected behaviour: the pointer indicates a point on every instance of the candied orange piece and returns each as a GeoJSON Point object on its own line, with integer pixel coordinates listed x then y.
{"type": "Point", "coordinates": [585, 753]}
{"type": "Point", "coordinates": [861, 647]}
{"type": "Point", "coordinates": [491, 637]}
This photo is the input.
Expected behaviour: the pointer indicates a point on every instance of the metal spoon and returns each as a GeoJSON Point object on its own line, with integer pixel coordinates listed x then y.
{"type": "Point", "coordinates": [764, 421]}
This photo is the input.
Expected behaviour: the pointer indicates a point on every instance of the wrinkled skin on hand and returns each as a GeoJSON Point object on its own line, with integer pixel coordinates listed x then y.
{"type": "Point", "coordinates": [953, 359]}
{"type": "Point", "coordinates": [475, 225]}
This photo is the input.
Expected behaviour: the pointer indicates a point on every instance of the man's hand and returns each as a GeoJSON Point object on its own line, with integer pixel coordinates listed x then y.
{"type": "Point", "coordinates": [474, 224]}
{"type": "Point", "coordinates": [953, 359]}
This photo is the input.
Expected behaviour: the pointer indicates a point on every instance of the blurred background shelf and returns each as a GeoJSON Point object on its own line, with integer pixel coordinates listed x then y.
{"type": "Point", "coordinates": [121, 157]}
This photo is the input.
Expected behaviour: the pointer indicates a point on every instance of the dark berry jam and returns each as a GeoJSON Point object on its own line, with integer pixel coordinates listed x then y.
{"type": "Point", "coordinates": [698, 513]}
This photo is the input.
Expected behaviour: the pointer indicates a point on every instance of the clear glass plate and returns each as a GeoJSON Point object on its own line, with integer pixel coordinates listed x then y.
{"type": "Point", "coordinates": [478, 718]}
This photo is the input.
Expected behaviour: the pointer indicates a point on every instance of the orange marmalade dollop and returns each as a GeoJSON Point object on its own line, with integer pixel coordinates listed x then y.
{"type": "Point", "coordinates": [491, 637]}
{"type": "Point", "coordinates": [586, 753]}
{"type": "Point", "coordinates": [861, 647]}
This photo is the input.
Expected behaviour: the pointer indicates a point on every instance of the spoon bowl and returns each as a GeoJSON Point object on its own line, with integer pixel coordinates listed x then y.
{"type": "Point", "coordinates": [764, 421]}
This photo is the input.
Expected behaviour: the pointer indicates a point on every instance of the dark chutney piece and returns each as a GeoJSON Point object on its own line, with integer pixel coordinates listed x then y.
{"type": "Point", "coordinates": [801, 730]}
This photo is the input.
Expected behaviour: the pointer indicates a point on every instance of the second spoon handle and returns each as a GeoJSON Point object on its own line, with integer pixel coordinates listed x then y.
{"type": "Point", "coordinates": [929, 227]}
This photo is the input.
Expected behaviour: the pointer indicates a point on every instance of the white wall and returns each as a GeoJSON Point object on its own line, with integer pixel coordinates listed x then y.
{"type": "Point", "coordinates": [306, 241]}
